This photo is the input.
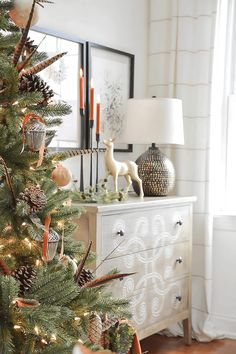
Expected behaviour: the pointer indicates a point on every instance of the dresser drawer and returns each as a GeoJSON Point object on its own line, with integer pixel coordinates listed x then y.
{"type": "Point", "coordinates": [150, 306]}
{"type": "Point", "coordinates": [152, 267]}
{"type": "Point", "coordinates": [138, 231]}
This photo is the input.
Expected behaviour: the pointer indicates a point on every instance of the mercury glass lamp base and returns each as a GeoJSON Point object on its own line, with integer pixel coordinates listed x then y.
{"type": "Point", "coordinates": [156, 172]}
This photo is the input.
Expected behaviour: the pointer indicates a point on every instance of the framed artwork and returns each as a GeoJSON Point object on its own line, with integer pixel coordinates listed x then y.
{"type": "Point", "coordinates": [63, 78]}
{"type": "Point", "coordinates": [112, 72]}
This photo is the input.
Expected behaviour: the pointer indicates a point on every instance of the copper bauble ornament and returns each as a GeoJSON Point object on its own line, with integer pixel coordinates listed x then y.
{"type": "Point", "coordinates": [61, 176]}
{"type": "Point", "coordinates": [21, 11]}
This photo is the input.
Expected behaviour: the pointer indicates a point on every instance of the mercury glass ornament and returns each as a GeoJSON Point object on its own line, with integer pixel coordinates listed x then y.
{"type": "Point", "coordinates": [35, 135]}
{"type": "Point", "coordinates": [53, 240]}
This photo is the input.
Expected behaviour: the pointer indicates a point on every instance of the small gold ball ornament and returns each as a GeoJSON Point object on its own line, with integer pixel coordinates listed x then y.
{"type": "Point", "coordinates": [21, 11]}
{"type": "Point", "coordinates": [61, 176]}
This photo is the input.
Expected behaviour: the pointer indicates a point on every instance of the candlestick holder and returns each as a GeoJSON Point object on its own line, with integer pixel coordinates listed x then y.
{"type": "Point", "coordinates": [97, 140]}
{"type": "Point", "coordinates": [91, 123]}
{"type": "Point", "coordinates": [82, 116]}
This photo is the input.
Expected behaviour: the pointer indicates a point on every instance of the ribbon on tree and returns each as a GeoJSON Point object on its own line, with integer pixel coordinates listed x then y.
{"type": "Point", "coordinates": [62, 242]}
{"type": "Point", "coordinates": [21, 302]}
{"type": "Point", "coordinates": [4, 267]}
{"type": "Point", "coordinates": [41, 154]}
{"type": "Point", "coordinates": [136, 347]}
{"type": "Point", "coordinates": [45, 238]}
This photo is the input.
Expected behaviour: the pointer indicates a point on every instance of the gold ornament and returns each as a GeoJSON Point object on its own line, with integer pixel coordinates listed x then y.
{"type": "Point", "coordinates": [20, 13]}
{"type": "Point", "coordinates": [61, 176]}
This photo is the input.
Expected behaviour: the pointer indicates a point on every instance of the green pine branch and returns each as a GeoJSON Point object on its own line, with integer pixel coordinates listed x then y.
{"type": "Point", "coordinates": [52, 110]}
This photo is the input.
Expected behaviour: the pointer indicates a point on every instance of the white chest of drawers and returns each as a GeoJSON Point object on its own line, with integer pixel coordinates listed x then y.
{"type": "Point", "coordinates": [151, 237]}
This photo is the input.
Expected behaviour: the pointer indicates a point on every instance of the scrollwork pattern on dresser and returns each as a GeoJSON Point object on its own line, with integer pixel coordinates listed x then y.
{"type": "Point", "coordinates": [151, 238]}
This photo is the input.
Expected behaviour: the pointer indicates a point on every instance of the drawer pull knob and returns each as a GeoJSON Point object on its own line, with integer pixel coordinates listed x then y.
{"type": "Point", "coordinates": [179, 260]}
{"type": "Point", "coordinates": [179, 222]}
{"type": "Point", "coordinates": [121, 233]}
{"type": "Point", "coordinates": [179, 298]}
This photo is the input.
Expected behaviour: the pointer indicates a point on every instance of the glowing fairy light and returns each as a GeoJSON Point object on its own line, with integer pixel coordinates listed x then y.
{"type": "Point", "coordinates": [36, 329]}
{"type": "Point", "coordinates": [17, 327]}
{"type": "Point", "coordinates": [53, 338]}
{"type": "Point", "coordinates": [29, 244]}
{"type": "Point", "coordinates": [60, 224]}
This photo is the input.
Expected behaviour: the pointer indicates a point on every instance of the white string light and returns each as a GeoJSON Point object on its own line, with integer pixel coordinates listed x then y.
{"type": "Point", "coordinates": [60, 224]}
{"type": "Point", "coordinates": [17, 327]}
{"type": "Point", "coordinates": [53, 338]}
{"type": "Point", "coordinates": [36, 329]}
{"type": "Point", "coordinates": [29, 244]}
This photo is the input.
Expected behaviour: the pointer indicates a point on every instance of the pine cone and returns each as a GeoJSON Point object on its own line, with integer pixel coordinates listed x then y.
{"type": "Point", "coordinates": [25, 275]}
{"type": "Point", "coordinates": [95, 328]}
{"type": "Point", "coordinates": [30, 46]}
{"type": "Point", "coordinates": [108, 323]}
{"type": "Point", "coordinates": [34, 197]}
{"type": "Point", "coordinates": [104, 341]}
{"type": "Point", "coordinates": [33, 83]}
{"type": "Point", "coordinates": [85, 276]}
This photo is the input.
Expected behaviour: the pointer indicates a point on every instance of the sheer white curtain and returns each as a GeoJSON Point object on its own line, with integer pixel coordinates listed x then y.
{"type": "Point", "coordinates": [223, 87]}
{"type": "Point", "coordinates": [181, 53]}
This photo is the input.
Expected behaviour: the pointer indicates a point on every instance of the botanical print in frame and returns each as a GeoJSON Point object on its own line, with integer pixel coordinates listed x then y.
{"type": "Point", "coordinates": [112, 72]}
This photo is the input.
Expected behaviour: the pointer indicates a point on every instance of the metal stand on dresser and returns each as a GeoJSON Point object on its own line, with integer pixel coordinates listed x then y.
{"type": "Point", "coordinates": [157, 245]}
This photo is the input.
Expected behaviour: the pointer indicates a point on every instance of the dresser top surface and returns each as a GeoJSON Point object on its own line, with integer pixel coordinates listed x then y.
{"type": "Point", "coordinates": [134, 202]}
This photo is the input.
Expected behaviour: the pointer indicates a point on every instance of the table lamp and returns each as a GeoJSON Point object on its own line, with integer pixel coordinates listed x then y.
{"type": "Point", "coordinates": [154, 121]}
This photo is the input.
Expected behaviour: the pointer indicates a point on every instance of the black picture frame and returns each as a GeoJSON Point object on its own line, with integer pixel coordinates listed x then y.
{"type": "Point", "coordinates": [81, 120]}
{"type": "Point", "coordinates": [90, 47]}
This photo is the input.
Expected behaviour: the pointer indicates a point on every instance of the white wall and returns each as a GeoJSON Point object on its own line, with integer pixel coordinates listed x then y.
{"type": "Point", "coordinates": [121, 24]}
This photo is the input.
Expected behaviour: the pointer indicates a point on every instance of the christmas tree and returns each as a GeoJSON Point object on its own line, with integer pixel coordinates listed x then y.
{"type": "Point", "coordinates": [47, 300]}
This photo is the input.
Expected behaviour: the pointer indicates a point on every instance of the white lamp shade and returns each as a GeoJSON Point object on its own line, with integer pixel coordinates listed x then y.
{"type": "Point", "coordinates": [153, 120]}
